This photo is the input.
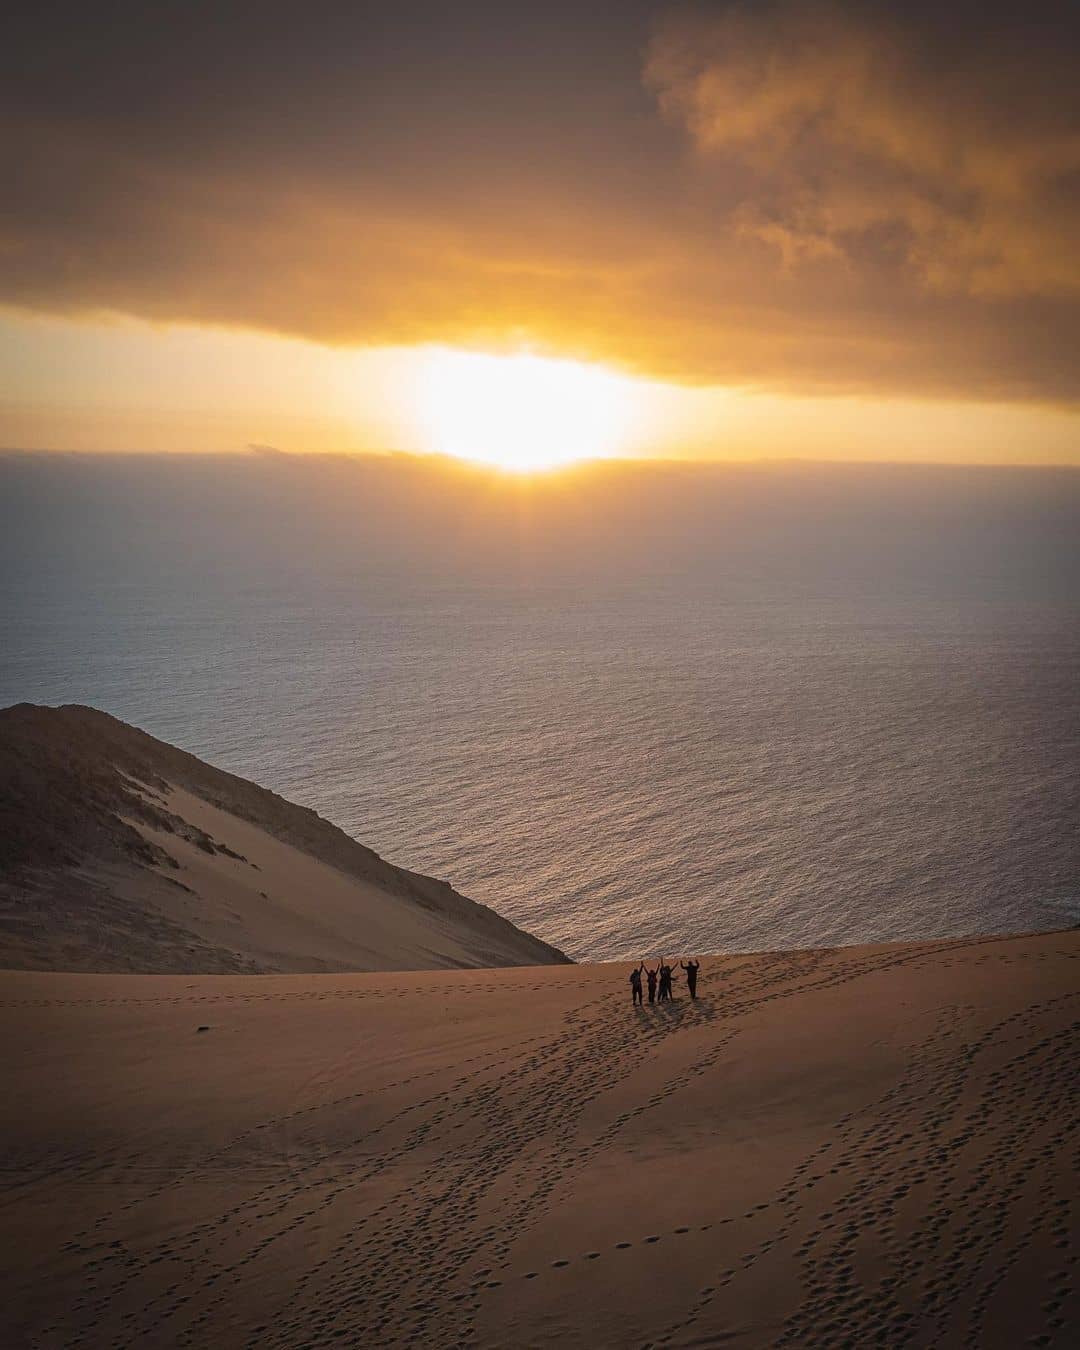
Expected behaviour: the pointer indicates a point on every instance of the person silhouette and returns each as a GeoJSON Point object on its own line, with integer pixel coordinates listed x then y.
{"type": "Point", "coordinates": [635, 985]}
{"type": "Point", "coordinates": [691, 968]}
{"type": "Point", "coordinates": [651, 975]}
{"type": "Point", "coordinates": [665, 981]}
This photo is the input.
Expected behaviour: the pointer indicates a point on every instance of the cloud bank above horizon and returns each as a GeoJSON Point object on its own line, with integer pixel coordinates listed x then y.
{"type": "Point", "coordinates": [813, 198]}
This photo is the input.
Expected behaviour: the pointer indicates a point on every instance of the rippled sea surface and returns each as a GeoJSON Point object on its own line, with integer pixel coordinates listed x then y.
{"type": "Point", "coordinates": [624, 765]}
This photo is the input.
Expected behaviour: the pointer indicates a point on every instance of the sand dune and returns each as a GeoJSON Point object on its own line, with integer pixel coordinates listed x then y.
{"type": "Point", "coordinates": [858, 1147]}
{"type": "Point", "coordinates": [120, 852]}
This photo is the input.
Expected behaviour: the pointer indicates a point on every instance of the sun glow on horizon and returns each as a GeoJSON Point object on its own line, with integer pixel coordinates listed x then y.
{"type": "Point", "coordinates": [523, 413]}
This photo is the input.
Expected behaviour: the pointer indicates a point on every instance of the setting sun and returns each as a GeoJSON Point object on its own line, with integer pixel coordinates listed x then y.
{"type": "Point", "coordinates": [521, 412]}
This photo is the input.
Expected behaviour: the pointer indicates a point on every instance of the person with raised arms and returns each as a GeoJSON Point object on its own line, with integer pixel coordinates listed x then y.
{"type": "Point", "coordinates": [691, 967]}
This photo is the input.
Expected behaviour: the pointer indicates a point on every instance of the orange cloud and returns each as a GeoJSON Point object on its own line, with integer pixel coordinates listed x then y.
{"type": "Point", "coordinates": [810, 199]}
{"type": "Point", "coordinates": [869, 138]}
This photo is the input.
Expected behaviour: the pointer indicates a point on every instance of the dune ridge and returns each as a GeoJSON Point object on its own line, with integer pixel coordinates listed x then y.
{"type": "Point", "coordinates": [121, 852]}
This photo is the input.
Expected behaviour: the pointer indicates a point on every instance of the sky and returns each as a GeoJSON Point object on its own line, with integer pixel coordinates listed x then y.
{"type": "Point", "coordinates": [825, 230]}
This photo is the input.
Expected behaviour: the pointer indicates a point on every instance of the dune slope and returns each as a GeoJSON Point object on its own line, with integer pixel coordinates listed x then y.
{"type": "Point", "coordinates": [859, 1147]}
{"type": "Point", "coordinates": [120, 852]}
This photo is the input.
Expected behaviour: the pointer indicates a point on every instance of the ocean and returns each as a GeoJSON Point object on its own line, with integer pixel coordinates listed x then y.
{"type": "Point", "coordinates": [642, 710]}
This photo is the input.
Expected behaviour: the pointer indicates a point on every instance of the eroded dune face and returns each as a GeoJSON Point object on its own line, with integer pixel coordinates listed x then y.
{"type": "Point", "coordinates": [119, 852]}
{"type": "Point", "coordinates": [863, 1146]}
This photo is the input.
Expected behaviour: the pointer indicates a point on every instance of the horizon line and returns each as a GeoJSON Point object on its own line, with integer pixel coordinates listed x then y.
{"type": "Point", "coordinates": [254, 453]}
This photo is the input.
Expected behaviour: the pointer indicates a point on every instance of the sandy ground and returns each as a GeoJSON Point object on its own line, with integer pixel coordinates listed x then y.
{"type": "Point", "coordinates": [870, 1146]}
{"type": "Point", "coordinates": [280, 909]}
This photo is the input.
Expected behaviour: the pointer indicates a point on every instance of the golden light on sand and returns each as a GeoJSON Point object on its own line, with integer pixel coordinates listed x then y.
{"type": "Point", "coordinates": [521, 412]}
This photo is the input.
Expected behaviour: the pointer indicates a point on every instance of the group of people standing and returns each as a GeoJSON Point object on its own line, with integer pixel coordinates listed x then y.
{"type": "Point", "coordinates": [659, 980]}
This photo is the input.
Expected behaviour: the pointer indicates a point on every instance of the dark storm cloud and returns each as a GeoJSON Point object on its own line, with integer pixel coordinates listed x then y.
{"type": "Point", "coordinates": [800, 196]}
